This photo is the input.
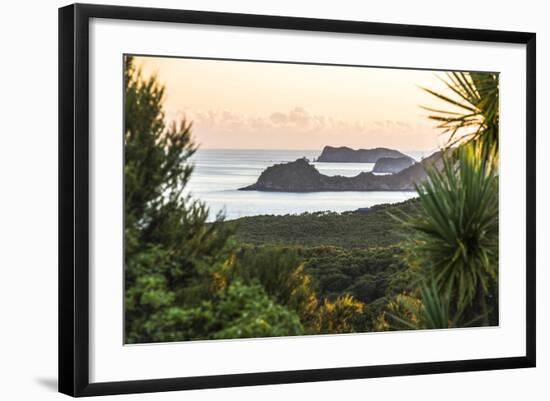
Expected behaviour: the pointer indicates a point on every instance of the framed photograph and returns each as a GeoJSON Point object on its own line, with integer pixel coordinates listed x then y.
{"type": "Point", "coordinates": [251, 199]}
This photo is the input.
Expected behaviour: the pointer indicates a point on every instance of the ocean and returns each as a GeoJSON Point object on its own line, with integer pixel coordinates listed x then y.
{"type": "Point", "coordinates": [219, 173]}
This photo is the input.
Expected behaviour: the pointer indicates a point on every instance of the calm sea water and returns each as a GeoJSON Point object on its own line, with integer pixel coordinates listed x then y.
{"type": "Point", "coordinates": [220, 172]}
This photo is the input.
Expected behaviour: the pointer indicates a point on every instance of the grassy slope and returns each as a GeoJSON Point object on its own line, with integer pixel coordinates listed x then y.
{"type": "Point", "coordinates": [346, 230]}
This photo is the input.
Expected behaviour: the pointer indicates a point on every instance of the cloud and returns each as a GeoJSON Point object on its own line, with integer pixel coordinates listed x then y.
{"type": "Point", "coordinates": [300, 127]}
{"type": "Point", "coordinates": [300, 117]}
{"type": "Point", "coordinates": [232, 120]}
{"type": "Point", "coordinates": [258, 123]}
{"type": "Point", "coordinates": [279, 118]}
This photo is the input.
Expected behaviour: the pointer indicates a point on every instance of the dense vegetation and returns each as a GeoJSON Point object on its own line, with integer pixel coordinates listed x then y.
{"type": "Point", "coordinates": [361, 254]}
{"type": "Point", "coordinates": [186, 279]}
{"type": "Point", "coordinates": [430, 262]}
{"type": "Point", "coordinates": [454, 239]}
{"type": "Point", "coordinates": [358, 229]}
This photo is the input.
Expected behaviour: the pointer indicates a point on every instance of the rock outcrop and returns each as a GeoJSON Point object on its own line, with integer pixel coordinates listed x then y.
{"type": "Point", "coordinates": [301, 176]}
{"type": "Point", "coordinates": [347, 155]}
{"type": "Point", "coordinates": [392, 165]}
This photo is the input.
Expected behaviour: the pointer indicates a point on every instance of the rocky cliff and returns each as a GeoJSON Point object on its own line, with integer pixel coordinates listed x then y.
{"type": "Point", "coordinates": [300, 176]}
{"type": "Point", "coordinates": [347, 155]}
{"type": "Point", "coordinates": [392, 165]}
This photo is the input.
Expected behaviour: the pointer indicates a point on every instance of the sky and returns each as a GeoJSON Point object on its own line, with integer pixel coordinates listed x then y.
{"type": "Point", "coordinates": [259, 105]}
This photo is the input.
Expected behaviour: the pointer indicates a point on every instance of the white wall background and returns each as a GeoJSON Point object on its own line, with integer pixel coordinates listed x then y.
{"type": "Point", "coordinates": [28, 200]}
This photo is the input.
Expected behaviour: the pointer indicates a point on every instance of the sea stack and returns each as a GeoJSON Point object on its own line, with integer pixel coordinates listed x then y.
{"type": "Point", "coordinates": [344, 154]}
{"type": "Point", "coordinates": [392, 165]}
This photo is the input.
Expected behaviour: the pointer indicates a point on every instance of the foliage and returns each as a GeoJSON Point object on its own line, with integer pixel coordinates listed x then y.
{"type": "Point", "coordinates": [257, 315]}
{"type": "Point", "coordinates": [156, 171]}
{"type": "Point", "coordinates": [174, 260]}
{"type": "Point", "coordinates": [281, 271]}
{"type": "Point", "coordinates": [338, 316]}
{"type": "Point", "coordinates": [456, 238]}
{"type": "Point", "coordinates": [363, 273]}
{"type": "Point", "coordinates": [475, 110]}
{"type": "Point", "coordinates": [186, 279]}
{"type": "Point", "coordinates": [317, 282]}
{"type": "Point", "coordinates": [370, 274]}
{"type": "Point", "coordinates": [239, 311]}
{"type": "Point", "coordinates": [359, 229]}
{"type": "Point", "coordinates": [454, 246]}
{"type": "Point", "coordinates": [431, 311]}
{"type": "Point", "coordinates": [400, 313]}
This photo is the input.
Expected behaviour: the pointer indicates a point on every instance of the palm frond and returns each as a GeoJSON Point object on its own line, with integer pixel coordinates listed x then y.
{"type": "Point", "coordinates": [457, 230]}
{"type": "Point", "coordinates": [474, 101]}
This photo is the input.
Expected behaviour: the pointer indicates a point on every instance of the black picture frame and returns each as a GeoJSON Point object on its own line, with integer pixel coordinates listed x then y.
{"type": "Point", "coordinates": [74, 198]}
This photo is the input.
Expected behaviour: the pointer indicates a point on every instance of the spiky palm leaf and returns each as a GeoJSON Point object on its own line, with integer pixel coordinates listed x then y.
{"type": "Point", "coordinates": [457, 229]}
{"type": "Point", "coordinates": [474, 116]}
{"type": "Point", "coordinates": [436, 310]}
{"type": "Point", "coordinates": [431, 311]}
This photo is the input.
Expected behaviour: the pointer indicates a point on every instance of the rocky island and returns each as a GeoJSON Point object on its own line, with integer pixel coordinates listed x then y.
{"type": "Point", "coordinates": [392, 165]}
{"type": "Point", "coordinates": [344, 154]}
{"type": "Point", "coordinates": [301, 176]}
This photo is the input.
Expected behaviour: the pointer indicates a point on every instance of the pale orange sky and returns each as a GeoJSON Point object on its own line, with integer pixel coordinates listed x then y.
{"type": "Point", "coordinates": [254, 105]}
